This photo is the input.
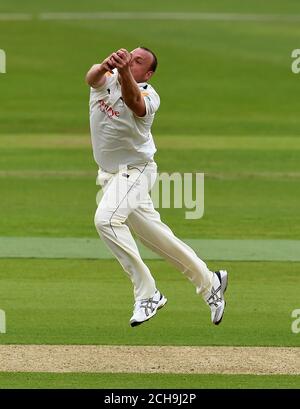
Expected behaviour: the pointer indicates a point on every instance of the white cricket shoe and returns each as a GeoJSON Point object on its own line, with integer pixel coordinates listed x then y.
{"type": "Point", "coordinates": [147, 308]}
{"type": "Point", "coordinates": [215, 299]}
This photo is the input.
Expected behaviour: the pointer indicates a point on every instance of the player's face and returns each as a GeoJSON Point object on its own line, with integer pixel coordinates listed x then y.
{"type": "Point", "coordinates": [140, 64]}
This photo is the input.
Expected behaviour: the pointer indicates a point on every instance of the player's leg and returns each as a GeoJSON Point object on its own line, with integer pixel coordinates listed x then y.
{"type": "Point", "coordinates": [122, 193]}
{"type": "Point", "coordinates": [110, 218]}
{"type": "Point", "coordinates": [146, 223]}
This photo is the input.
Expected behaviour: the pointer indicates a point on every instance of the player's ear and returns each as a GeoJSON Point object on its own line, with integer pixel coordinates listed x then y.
{"type": "Point", "coordinates": [149, 75]}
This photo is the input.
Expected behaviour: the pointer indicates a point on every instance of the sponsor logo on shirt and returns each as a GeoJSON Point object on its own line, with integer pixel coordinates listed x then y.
{"type": "Point", "coordinates": [109, 111]}
{"type": "Point", "coordinates": [145, 94]}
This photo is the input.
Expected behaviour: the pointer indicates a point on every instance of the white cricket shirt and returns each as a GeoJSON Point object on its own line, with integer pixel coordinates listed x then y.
{"type": "Point", "coordinates": [119, 137]}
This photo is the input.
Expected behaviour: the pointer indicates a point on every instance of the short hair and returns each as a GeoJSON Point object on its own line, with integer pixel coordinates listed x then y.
{"type": "Point", "coordinates": [154, 62]}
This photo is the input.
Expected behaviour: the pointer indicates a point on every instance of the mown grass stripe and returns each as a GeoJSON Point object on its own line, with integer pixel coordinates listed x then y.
{"type": "Point", "coordinates": [90, 248]}
{"type": "Point", "coordinates": [16, 17]}
{"type": "Point", "coordinates": [85, 174]}
{"type": "Point", "coordinates": [210, 142]}
{"type": "Point", "coordinates": [156, 16]}
{"type": "Point", "coordinates": [34, 380]}
{"type": "Point", "coordinates": [175, 16]}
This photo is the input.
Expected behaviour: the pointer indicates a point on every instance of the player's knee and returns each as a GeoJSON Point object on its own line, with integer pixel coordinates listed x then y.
{"type": "Point", "coordinates": [101, 220]}
{"type": "Point", "coordinates": [104, 220]}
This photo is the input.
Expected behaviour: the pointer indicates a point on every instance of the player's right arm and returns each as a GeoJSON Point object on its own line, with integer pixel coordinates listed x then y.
{"type": "Point", "coordinates": [96, 77]}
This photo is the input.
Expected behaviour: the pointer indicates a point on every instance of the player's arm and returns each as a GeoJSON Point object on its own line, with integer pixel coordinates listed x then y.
{"type": "Point", "coordinates": [131, 93]}
{"type": "Point", "coordinates": [95, 77]}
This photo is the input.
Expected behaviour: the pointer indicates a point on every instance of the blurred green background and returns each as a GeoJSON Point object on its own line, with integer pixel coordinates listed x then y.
{"type": "Point", "coordinates": [215, 77]}
{"type": "Point", "coordinates": [229, 108]}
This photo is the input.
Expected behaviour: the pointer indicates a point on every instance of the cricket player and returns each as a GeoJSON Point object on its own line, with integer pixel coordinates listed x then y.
{"type": "Point", "coordinates": [122, 109]}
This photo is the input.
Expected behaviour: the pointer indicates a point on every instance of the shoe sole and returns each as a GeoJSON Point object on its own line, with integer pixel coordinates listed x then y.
{"type": "Point", "coordinates": [224, 283]}
{"type": "Point", "coordinates": [163, 301]}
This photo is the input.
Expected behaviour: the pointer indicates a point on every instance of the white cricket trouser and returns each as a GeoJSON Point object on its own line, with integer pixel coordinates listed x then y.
{"type": "Point", "coordinates": [127, 206]}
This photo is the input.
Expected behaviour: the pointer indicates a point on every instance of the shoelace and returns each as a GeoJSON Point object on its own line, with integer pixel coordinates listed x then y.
{"type": "Point", "coordinates": [146, 304]}
{"type": "Point", "coordinates": [214, 299]}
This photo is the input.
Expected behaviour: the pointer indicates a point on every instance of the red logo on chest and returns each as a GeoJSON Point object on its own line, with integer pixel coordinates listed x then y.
{"type": "Point", "coordinates": [109, 111]}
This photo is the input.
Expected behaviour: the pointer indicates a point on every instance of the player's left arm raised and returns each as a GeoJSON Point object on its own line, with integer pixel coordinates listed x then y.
{"type": "Point", "coordinates": [130, 91]}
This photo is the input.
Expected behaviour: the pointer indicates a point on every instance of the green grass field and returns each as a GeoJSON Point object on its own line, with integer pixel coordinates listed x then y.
{"type": "Point", "coordinates": [229, 108]}
{"type": "Point", "coordinates": [23, 380]}
{"type": "Point", "coordinates": [89, 302]}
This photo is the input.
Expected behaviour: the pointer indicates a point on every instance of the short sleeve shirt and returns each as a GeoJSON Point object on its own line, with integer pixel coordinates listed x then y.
{"type": "Point", "coordinates": [119, 137]}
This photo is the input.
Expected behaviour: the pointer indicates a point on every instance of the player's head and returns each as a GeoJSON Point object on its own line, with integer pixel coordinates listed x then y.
{"type": "Point", "coordinates": [143, 64]}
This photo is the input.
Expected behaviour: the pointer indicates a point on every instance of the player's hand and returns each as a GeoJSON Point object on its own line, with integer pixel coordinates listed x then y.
{"type": "Point", "coordinates": [121, 59]}
{"type": "Point", "coordinates": [108, 64]}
